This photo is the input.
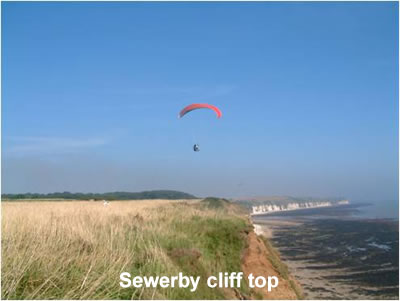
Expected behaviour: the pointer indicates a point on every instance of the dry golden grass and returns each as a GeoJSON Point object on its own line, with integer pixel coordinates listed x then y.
{"type": "Point", "coordinates": [77, 250]}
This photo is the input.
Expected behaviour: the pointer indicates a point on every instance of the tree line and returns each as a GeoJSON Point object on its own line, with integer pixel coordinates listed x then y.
{"type": "Point", "coordinates": [118, 195]}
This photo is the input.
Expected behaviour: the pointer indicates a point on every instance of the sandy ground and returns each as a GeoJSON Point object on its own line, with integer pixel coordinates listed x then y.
{"type": "Point", "coordinates": [266, 227]}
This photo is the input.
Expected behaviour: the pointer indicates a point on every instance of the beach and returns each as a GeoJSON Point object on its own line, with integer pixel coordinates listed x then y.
{"type": "Point", "coordinates": [336, 256]}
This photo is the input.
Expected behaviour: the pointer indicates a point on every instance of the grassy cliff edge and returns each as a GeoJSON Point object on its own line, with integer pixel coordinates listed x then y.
{"type": "Point", "coordinates": [77, 250]}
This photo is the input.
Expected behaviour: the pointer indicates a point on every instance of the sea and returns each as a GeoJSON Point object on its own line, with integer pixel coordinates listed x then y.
{"type": "Point", "coordinates": [339, 252]}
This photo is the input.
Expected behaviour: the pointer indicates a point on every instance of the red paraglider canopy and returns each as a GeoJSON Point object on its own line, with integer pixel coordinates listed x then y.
{"type": "Point", "coordinates": [196, 106]}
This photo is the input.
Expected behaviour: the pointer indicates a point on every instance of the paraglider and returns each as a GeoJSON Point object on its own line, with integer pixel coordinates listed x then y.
{"type": "Point", "coordinates": [196, 106]}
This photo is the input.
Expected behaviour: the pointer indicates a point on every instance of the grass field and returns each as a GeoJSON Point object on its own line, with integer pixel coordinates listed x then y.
{"type": "Point", "coordinates": [77, 250]}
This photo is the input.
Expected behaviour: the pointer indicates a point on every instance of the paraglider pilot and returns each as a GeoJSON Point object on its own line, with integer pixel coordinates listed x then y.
{"type": "Point", "coordinates": [195, 106]}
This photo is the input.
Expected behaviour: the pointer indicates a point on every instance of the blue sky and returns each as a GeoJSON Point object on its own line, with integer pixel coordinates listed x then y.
{"type": "Point", "coordinates": [308, 91]}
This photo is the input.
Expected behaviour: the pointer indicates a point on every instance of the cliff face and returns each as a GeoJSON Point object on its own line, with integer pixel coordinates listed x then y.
{"type": "Point", "coordinates": [260, 260]}
{"type": "Point", "coordinates": [269, 208]}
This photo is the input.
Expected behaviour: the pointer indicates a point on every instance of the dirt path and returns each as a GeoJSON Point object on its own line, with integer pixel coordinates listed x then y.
{"type": "Point", "coordinates": [255, 261]}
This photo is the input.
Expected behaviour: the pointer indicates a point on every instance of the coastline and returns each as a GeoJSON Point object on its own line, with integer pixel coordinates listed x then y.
{"type": "Point", "coordinates": [261, 258]}
{"type": "Point", "coordinates": [256, 260]}
{"type": "Point", "coordinates": [274, 208]}
{"type": "Point", "coordinates": [332, 270]}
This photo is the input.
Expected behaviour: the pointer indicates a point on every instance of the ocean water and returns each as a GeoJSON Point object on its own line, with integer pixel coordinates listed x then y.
{"type": "Point", "coordinates": [340, 252]}
{"type": "Point", "coordinates": [381, 209]}
{"type": "Point", "coordinates": [377, 210]}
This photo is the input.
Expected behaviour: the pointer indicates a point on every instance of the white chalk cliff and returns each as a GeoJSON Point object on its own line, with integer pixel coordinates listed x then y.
{"type": "Point", "coordinates": [269, 208]}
